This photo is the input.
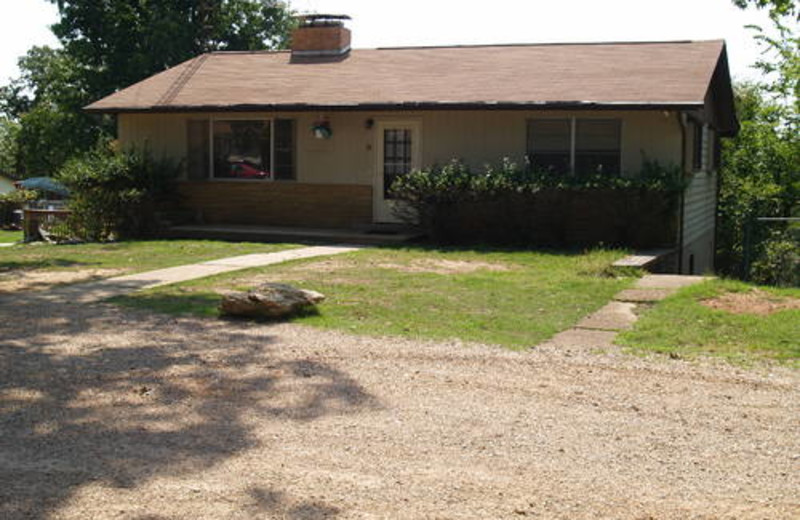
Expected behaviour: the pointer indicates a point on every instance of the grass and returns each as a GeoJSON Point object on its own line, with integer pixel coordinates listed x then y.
{"type": "Point", "coordinates": [682, 325]}
{"type": "Point", "coordinates": [517, 299]}
{"type": "Point", "coordinates": [132, 256]}
{"type": "Point", "coordinates": [10, 236]}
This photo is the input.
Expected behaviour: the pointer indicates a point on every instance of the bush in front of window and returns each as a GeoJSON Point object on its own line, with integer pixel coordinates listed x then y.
{"type": "Point", "coordinates": [506, 203]}
{"type": "Point", "coordinates": [114, 194]}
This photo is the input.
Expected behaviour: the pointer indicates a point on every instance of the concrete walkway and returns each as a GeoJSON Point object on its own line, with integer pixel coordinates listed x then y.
{"type": "Point", "coordinates": [598, 330]}
{"type": "Point", "coordinates": [103, 289]}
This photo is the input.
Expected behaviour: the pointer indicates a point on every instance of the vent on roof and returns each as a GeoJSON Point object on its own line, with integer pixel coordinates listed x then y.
{"type": "Point", "coordinates": [321, 35]}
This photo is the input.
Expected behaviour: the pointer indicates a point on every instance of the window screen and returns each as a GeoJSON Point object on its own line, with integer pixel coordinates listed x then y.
{"type": "Point", "coordinates": [597, 147]}
{"type": "Point", "coordinates": [197, 150]}
{"type": "Point", "coordinates": [549, 142]}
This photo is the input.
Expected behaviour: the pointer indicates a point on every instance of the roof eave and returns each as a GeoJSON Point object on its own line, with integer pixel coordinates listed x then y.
{"type": "Point", "coordinates": [408, 105]}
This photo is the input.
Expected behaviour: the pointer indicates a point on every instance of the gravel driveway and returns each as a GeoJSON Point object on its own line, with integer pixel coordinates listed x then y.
{"type": "Point", "coordinates": [109, 413]}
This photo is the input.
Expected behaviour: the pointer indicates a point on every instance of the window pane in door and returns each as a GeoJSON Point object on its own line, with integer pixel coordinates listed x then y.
{"type": "Point", "coordinates": [549, 143]}
{"type": "Point", "coordinates": [396, 156]}
{"type": "Point", "coordinates": [242, 149]}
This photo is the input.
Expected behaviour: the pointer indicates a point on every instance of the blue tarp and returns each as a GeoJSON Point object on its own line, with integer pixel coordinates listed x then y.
{"type": "Point", "coordinates": [46, 184]}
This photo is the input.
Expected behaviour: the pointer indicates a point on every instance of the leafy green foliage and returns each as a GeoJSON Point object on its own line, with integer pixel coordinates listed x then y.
{"type": "Point", "coordinates": [110, 45]}
{"type": "Point", "coordinates": [13, 201]}
{"type": "Point", "coordinates": [779, 261]}
{"type": "Point", "coordinates": [44, 105]}
{"type": "Point", "coordinates": [9, 147]}
{"type": "Point", "coordinates": [777, 8]}
{"type": "Point", "coordinates": [760, 178]}
{"type": "Point", "coordinates": [456, 182]}
{"type": "Point", "coordinates": [511, 205]}
{"type": "Point", "coordinates": [124, 41]}
{"type": "Point", "coordinates": [113, 195]}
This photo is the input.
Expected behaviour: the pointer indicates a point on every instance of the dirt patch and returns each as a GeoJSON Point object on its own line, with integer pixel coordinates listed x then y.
{"type": "Point", "coordinates": [445, 266]}
{"type": "Point", "coordinates": [334, 270]}
{"type": "Point", "coordinates": [15, 281]}
{"type": "Point", "coordinates": [752, 302]}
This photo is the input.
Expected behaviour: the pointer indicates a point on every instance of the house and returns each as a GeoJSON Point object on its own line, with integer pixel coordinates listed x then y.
{"type": "Point", "coordinates": [313, 136]}
{"type": "Point", "coordinates": [6, 185]}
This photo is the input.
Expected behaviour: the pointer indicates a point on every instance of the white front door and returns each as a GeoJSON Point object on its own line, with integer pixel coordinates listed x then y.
{"type": "Point", "coordinates": [398, 152]}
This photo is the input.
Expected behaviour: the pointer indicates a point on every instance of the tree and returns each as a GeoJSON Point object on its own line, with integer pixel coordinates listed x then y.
{"type": "Point", "coordinates": [9, 151]}
{"type": "Point", "coordinates": [124, 41]}
{"type": "Point", "coordinates": [110, 45]}
{"type": "Point", "coordinates": [781, 61]}
{"type": "Point", "coordinates": [45, 103]}
{"type": "Point", "coordinates": [761, 166]}
{"type": "Point", "coordinates": [777, 8]}
{"type": "Point", "coordinates": [760, 178]}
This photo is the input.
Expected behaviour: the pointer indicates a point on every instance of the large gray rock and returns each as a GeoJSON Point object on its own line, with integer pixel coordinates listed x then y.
{"type": "Point", "coordinates": [270, 300]}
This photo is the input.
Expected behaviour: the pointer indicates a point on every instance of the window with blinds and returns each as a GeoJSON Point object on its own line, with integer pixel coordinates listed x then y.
{"type": "Point", "coordinates": [549, 143]}
{"type": "Point", "coordinates": [582, 147]}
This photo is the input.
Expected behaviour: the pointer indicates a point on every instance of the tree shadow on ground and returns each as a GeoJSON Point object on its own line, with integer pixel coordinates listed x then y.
{"type": "Point", "coordinates": [277, 504]}
{"type": "Point", "coordinates": [90, 394]}
{"type": "Point", "coordinates": [40, 263]}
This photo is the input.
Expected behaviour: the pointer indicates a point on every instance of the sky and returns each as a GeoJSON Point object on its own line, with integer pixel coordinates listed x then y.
{"type": "Point", "coordinates": [380, 23]}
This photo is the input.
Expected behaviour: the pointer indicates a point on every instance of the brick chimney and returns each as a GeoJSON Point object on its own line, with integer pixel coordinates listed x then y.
{"type": "Point", "coordinates": [321, 35]}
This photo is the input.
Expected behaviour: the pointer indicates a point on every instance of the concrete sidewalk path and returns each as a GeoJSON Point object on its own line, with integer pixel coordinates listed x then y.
{"type": "Point", "coordinates": [104, 289]}
{"type": "Point", "coordinates": [599, 329]}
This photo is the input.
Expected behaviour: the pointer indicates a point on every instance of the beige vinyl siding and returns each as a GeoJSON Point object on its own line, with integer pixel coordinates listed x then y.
{"type": "Point", "coordinates": [477, 137]}
{"type": "Point", "coordinates": [163, 135]}
{"type": "Point", "coordinates": [700, 202]}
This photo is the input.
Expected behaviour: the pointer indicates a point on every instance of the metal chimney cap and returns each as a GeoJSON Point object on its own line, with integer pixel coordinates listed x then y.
{"type": "Point", "coordinates": [322, 19]}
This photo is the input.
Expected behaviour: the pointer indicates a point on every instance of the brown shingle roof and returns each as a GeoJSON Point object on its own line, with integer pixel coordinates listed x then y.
{"type": "Point", "coordinates": [614, 74]}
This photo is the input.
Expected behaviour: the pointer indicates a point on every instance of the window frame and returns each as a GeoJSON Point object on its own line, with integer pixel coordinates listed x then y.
{"type": "Point", "coordinates": [700, 147]}
{"type": "Point", "coordinates": [233, 117]}
{"type": "Point", "coordinates": [573, 125]}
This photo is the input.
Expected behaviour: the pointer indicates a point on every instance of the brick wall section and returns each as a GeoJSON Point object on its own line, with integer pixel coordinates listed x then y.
{"type": "Point", "coordinates": [320, 38]}
{"type": "Point", "coordinates": [279, 203]}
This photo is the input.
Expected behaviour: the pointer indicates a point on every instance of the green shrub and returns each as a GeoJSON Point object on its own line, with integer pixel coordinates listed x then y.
{"type": "Point", "coordinates": [510, 204]}
{"type": "Point", "coordinates": [113, 195]}
{"type": "Point", "coordinates": [13, 201]}
{"type": "Point", "coordinates": [779, 262]}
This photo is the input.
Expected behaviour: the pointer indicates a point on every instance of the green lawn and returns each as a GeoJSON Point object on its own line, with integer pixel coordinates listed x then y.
{"type": "Point", "coordinates": [133, 256]}
{"type": "Point", "coordinates": [10, 236]}
{"type": "Point", "coordinates": [516, 299]}
{"type": "Point", "coordinates": [682, 325]}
